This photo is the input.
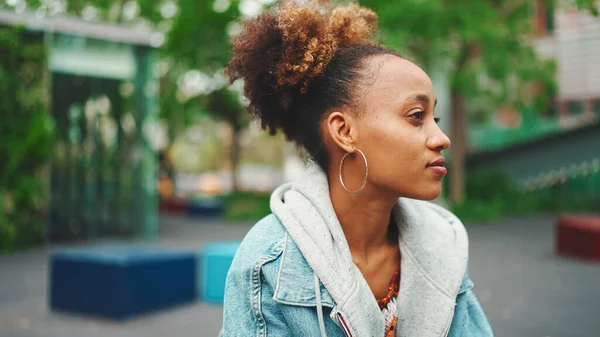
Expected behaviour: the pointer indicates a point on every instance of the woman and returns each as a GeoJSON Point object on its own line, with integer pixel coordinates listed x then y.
{"type": "Point", "coordinates": [351, 248]}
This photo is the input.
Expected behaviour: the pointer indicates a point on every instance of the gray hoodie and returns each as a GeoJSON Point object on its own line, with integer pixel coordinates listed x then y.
{"type": "Point", "coordinates": [434, 250]}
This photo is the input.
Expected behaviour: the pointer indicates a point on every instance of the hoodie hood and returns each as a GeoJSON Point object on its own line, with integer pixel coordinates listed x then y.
{"type": "Point", "coordinates": [434, 250]}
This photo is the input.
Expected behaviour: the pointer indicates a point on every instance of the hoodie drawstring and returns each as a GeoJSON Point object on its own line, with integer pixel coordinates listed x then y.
{"type": "Point", "coordinates": [319, 306]}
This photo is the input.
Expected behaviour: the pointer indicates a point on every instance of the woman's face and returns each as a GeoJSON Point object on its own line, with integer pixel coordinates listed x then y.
{"type": "Point", "coordinates": [397, 131]}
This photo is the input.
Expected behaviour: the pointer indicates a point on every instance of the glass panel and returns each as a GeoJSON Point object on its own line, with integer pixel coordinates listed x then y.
{"type": "Point", "coordinates": [93, 168]}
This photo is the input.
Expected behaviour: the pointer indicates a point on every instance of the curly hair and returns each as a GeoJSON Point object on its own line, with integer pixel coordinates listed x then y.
{"type": "Point", "coordinates": [300, 61]}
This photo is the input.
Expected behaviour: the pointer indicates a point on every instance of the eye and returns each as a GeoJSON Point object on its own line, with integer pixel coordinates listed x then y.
{"type": "Point", "coordinates": [419, 115]}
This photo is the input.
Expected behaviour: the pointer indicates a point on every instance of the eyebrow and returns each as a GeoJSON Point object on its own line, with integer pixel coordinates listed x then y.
{"type": "Point", "coordinates": [421, 97]}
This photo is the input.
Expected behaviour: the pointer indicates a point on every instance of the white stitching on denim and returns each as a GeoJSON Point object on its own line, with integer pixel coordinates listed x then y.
{"type": "Point", "coordinates": [261, 328]}
{"type": "Point", "coordinates": [304, 305]}
{"type": "Point", "coordinates": [281, 264]}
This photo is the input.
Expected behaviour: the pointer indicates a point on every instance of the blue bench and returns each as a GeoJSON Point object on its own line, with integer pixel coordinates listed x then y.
{"type": "Point", "coordinates": [205, 207]}
{"type": "Point", "coordinates": [120, 281]}
{"type": "Point", "coordinates": [214, 262]}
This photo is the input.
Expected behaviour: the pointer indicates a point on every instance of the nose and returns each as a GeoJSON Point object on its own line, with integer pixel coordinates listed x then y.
{"type": "Point", "coordinates": [438, 141]}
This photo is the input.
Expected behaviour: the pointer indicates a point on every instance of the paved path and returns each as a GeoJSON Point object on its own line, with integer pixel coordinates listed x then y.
{"type": "Point", "coordinates": [23, 303]}
{"type": "Point", "coordinates": [525, 289]}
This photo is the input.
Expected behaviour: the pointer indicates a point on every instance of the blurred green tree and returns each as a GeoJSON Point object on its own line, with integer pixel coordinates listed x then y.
{"type": "Point", "coordinates": [192, 59]}
{"type": "Point", "coordinates": [483, 48]}
{"type": "Point", "coordinates": [27, 137]}
{"type": "Point", "coordinates": [199, 39]}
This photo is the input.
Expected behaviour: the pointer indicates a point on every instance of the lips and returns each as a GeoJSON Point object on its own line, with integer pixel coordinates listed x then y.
{"type": "Point", "coordinates": [438, 162]}
{"type": "Point", "coordinates": [437, 166]}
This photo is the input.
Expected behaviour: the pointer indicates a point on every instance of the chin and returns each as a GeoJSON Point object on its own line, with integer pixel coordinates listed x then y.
{"type": "Point", "coordinates": [430, 197]}
{"type": "Point", "coordinates": [426, 194]}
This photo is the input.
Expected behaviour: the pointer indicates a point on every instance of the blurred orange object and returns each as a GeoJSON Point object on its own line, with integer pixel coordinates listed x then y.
{"type": "Point", "coordinates": [210, 185]}
{"type": "Point", "coordinates": [578, 236]}
{"type": "Point", "coordinates": [165, 187]}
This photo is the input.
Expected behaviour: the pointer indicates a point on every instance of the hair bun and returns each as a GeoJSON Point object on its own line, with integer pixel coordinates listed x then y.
{"type": "Point", "coordinates": [311, 37]}
{"type": "Point", "coordinates": [281, 50]}
{"type": "Point", "coordinates": [308, 46]}
{"type": "Point", "coordinates": [353, 24]}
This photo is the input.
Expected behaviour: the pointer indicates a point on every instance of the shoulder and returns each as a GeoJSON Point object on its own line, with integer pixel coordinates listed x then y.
{"type": "Point", "coordinates": [263, 243]}
{"type": "Point", "coordinates": [246, 305]}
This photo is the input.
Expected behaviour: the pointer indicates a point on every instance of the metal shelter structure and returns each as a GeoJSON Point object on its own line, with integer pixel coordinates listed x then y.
{"type": "Point", "coordinates": [104, 105]}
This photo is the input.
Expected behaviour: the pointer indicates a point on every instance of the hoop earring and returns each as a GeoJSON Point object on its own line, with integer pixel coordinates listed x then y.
{"type": "Point", "coordinates": [366, 172]}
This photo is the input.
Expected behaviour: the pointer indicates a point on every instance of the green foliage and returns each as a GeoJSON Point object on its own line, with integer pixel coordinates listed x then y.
{"type": "Point", "coordinates": [490, 185]}
{"type": "Point", "coordinates": [493, 195]}
{"type": "Point", "coordinates": [589, 5]}
{"type": "Point", "coordinates": [223, 104]}
{"type": "Point", "coordinates": [247, 206]}
{"type": "Point", "coordinates": [474, 210]}
{"type": "Point", "coordinates": [27, 137]}
{"type": "Point", "coordinates": [483, 47]}
{"type": "Point", "coordinates": [198, 37]}
{"type": "Point", "coordinates": [489, 194]}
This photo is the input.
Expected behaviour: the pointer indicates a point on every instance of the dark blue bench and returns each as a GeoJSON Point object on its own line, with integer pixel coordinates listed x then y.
{"type": "Point", "coordinates": [120, 281]}
{"type": "Point", "coordinates": [205, 207]}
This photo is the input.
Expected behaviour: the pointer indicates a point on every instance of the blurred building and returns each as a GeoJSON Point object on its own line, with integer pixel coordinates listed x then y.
{"type": "Point", "coordinates": [571, 38]}
{"type": "Point", "coordinates": [552, 154]}
{"type": "Point", "coordinates": [103, 101]}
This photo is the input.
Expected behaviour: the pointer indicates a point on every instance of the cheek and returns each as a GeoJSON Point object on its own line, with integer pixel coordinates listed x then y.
{"type": "Point", "coordinates": [397, 154]}
{"type": "Point", "coordinates": [393, 146]}
{"type": "Point", "coordinates": [395, 140]}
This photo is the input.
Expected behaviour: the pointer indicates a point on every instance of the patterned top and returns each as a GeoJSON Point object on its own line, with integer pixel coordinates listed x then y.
{"type": "Point", "coordinates": [389, 307]}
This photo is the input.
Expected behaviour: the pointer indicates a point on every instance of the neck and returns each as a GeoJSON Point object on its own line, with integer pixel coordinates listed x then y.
{"type": "Point", "coordinates": [364, 217]}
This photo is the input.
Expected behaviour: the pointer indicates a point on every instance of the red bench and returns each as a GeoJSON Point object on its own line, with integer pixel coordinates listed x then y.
{"type": "Point", "coordinates": [578, 236]}
{"type": "Point", "coordinates": [172, 206]}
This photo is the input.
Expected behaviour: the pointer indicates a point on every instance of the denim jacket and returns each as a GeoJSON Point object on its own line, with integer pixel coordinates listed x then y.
{"type": "Point", "coordinates": [293, 274]}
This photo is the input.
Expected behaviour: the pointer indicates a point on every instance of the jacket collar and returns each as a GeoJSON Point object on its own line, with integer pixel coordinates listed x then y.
{"type": "Point", "coordinates": [295, 284]}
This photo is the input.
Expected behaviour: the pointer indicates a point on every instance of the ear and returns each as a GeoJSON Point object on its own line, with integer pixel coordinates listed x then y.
{"type": "Point", "coordinates": [340, 128]}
